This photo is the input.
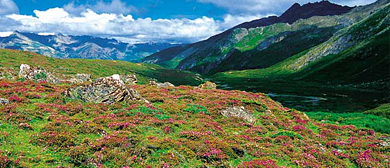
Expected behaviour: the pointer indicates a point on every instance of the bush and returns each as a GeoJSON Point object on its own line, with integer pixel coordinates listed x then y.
{"type": "Point", "coordinates": [288, 133]}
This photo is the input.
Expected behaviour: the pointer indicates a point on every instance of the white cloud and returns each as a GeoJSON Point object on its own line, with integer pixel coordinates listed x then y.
{"type": "Point", "coordinates": [265, 7]}
{"type": "Point", "coordinates": [115, 6]}
{"type": "Point", "coordinates": [124, 27]}
{"type": "Point", "coordinates": [5, 34]}
{"type": "Point", "coordinates": [353, 2]}
{"type": "Point", "coordinates": [230, 21]}
{"type": "Point", "coordinates": [8, 7]}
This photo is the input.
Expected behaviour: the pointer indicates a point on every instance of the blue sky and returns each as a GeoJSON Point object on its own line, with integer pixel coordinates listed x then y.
{"type": "Point", "coordinates": [154, 9]}
{"type": "Point", "coordinates": [140, 20]}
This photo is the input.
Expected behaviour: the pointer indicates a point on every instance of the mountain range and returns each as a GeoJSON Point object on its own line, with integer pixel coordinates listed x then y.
{"type": "Point", "coordinates": [86, 47]}
{"type": "Point", "coordinates": [304, 35]}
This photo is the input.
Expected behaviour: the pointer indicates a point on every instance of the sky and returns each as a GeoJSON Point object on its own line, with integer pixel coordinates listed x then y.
{"type": "Point", "coordinates": [174, 21]}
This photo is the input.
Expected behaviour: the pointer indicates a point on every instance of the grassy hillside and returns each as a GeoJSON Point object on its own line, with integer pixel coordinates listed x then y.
{"type": "Point", "coordinates": [382, 111]}
{"type": "Point", "coordinates": [281, 47]}
{"type": "Point", "coordinates": [97, 68]}
{"type": "Point", "coordinates": [181, 127]}
{"type": "Point", "coordinates": [360, 120]}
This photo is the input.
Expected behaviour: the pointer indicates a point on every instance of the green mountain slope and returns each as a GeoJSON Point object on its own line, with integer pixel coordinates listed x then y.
{"type": "Point", "coordinates": [97, 68]}
{"type": "Point", "coordinates": [354, 52]}
{"type": "Point", "coordinates": [209, 55]}
{"type": "Point", "coordinates": [354, 62]}
{"type": "Point", "coordinates": [261, 43]}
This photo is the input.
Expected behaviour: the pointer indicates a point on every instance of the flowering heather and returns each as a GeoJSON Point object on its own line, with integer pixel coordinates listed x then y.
{"type": "Point", "coordinates": [180, 127]}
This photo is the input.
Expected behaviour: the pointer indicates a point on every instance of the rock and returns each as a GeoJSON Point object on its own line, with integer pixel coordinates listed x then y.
{"type": "Point", "coordinates": [36, 74]}
{"type": "Point", "coordinates": [4, 101]}
{"type": "Point", "coordinates": [83, 77]}
{"type": "Point", "coordinates": [25, 126]}
{"type": "Point", "coordinates": [208, 85]}
{"type": "Point", "coordinates": [130, 79]}
{"type": "Point", "coordinates": [238, 112]}
{"type": "Point", "coordinates": [386, 141]}
{"type": "Point", "coordinates": [153, 83]}
{"type": "Point", "coordinates": [106, 90]}
{"type": "Point", "coordinates": [165, 84]}
{"type": "Point", "coordinates": [79, 78]}
{"type": "Point", "coordinates": [161, 85]}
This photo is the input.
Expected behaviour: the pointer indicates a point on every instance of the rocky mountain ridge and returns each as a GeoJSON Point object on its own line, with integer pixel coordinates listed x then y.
{"type": "Point", "coordinates": [86, 47]}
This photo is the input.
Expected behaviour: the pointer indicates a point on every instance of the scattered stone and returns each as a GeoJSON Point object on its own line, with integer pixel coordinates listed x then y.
{"type": "Point", "coordinates": [25, 126]}
{"type": "Point", "coordinates": [153, 83]}
{"type": "Point", "coordinates": [4, 101]}
{"type": "Point", "coordinates": [238, 112]}
{"type": "Point", "coordinates": [106, 90]}
{"type": "Point", "coordinates": [386, 141]}
{"type": "Point", "coordinates": [130, 79]}
{"type": "Point", "coordinates": [36, 74]}
{"type": "Point", "coordinates": [161, 85]}
{"type": "Point", "coordinates": [208, 85]}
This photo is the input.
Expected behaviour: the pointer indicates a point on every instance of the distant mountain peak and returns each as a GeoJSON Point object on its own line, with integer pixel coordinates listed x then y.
{"type": "Point", "coordinates": [294, 6]}
{"type": "Point", "coordinates": [16, 32]}
{"type": "Point", "coordinates": [322, 8]}
{"type": "Point", "coordinates": [19, 35]}
{"type": "Point", "coordinates": [297, 11]}
{"type": "Point", "coordinates": [87, 47]}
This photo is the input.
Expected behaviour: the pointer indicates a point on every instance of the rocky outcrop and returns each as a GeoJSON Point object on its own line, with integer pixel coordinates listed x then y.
{"type": "Point", "coordinates": [208, 85]}
{"type": "Point", "coordinates": [36, 74]}
{"type": "Point", "coordinates": [4, 101]}
{"type": "Point", "coordinates": [238, 112]}
{"type": "Point", "coordinates": [106, 90]}
{"type": "Point", "coordinates": [161, 85]}
{"type": "Point", "coordinates": [79, 78]}
{"type": "Point", "coordinates": [83, 77]}
{"type": "Point", "coordinates": [130, 79]}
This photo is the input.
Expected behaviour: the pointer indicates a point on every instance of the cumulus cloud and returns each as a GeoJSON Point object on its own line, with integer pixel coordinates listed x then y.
{"type": "Point", "coordinates": [115, 6]}
{"type": "Point", "coordinates": [353, 2]}
{"type": "Point", "coordinates": [124, 27]}
{"type": "Point", "coordinates": [270, 6]}
{"type": "Point", "coordinates": [8, 7]}
{"type": "Point", "coordinates": [230, 21]}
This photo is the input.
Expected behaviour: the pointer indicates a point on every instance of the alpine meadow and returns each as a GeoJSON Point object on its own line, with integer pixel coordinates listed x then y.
{"type": "Point", "coordinates": [194, 83]}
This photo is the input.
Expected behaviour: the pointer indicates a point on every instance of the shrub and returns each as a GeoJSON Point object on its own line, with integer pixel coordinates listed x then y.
{"type": "Point", "coordinates": [195, 109]}
{"type": "Point", "coordinates": [288, 133]}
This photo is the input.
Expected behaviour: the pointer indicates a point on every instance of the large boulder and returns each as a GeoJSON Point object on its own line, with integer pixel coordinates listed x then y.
{"type": "Point", "coordinates": [3, 101]}
{"type": "Point", "coordinates": [238, 112]}
{"type": "Point", "coordinates": [161, 85]}
{"type": "Point", "coordinates": [106, 90]}
{"type": "Point", "coordinates": [36, 74]}
{"type": "Point", "coordinates": [208, 85]}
